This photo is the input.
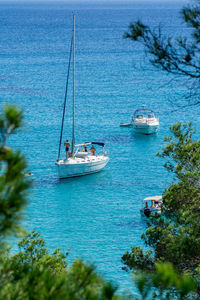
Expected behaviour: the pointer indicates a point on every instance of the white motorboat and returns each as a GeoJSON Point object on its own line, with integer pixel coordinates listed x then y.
{"type": "Point", "coordinates": [144, 121]}
{"type": "Point", "coordinates": [79, 162]}
{"type": "Point", "coordinates": [151, 205]}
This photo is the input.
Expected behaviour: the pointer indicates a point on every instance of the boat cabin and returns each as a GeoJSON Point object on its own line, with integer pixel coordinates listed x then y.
{"type": "Point", "coordinates": [144, 114]}
{"type": "Point", "coordinates": [83, 150]}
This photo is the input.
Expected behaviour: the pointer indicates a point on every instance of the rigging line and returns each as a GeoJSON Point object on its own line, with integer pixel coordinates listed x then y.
{"type": "Point", "coordinates": [65, 99]}
{"type": "Point", "coordinates": [73, 125]}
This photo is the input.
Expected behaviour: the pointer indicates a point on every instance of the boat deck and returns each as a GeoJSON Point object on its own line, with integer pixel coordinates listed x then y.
{"type": "Point", "coordinates": [82, 160]}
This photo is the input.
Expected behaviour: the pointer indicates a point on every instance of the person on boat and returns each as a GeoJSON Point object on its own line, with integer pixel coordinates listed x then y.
{"type": "Point", "coordinates": [67, 145]}
{"type": "Point", "coordinates": [156, 204]}
{"type": "Point", "coordinates": [146, 205]}
{"type": "Point", "coordinates": [85, 149]}
{"type": "Point", "coordinates": [93, 150]}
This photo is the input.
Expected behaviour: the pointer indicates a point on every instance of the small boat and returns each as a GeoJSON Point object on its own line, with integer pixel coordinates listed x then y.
{"type": "Point", "coordinates": [78, 162]}
{"type": "Point", "coordinates": [151, 205]}
{"type": "Point", "coordinates": [144, 121]}
{"type": "Point", "coordinates": [126, 124]}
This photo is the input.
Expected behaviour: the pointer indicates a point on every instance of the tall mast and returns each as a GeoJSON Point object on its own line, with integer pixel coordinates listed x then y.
{"type": "Point", "coordinates": [65, 100]}
{"type": "Point", "coordinates": [73, 125]}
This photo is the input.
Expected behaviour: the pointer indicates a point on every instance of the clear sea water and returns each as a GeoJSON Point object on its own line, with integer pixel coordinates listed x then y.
{"type": "Point", "coordinates": [96, 216]}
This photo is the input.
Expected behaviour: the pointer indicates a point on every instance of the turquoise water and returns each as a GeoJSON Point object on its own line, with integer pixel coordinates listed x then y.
{"type": "Point", "coordinates": [96, 216]}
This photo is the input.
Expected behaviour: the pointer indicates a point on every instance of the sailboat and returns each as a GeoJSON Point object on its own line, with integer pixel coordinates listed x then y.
{"type": "Point", "coordinates": [79, 161]}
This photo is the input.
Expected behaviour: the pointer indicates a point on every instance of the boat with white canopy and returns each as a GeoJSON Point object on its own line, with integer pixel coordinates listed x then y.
{"type": "Point", "coordinates": [144, 121]}
{"type": "Point", "coordinates": [79, 161]}
{"type": "Point", "coordinates": [151, 205]}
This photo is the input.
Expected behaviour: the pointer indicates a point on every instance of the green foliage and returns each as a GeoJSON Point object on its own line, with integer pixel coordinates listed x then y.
{"type": "Point", "coordinates": [174, 235]}
{"type": "Point", "coordinates": [33, 252]}
{"type": "Point", "coordinates": [138, 259]}
{"type": "Point", "coordinates": [10, 120]}
{"type": "Point", "coordinates": [183, 160]}
{"type": "Point", "coordinates": [182, 152]}
{"type": "Point", "coordinates": [177, 56]}
{"type": "Point", "coordinates": [13, 183]}
{"type": "Point", "coordinates": [165, 283]}
{"type": "Point", "coordinates": [138, 30]}
{"type": "Point", "coordinates": [34, 273]}
{"type": "Point", "coordinates": [191, 15]}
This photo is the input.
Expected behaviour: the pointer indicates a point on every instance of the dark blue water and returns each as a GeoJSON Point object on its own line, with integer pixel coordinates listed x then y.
{"type": "Point", "coordinates": [96, 216]}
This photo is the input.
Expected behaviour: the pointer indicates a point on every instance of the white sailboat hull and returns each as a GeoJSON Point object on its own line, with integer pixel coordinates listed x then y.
{"type": "Point", "coordinates": [76, 166]}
